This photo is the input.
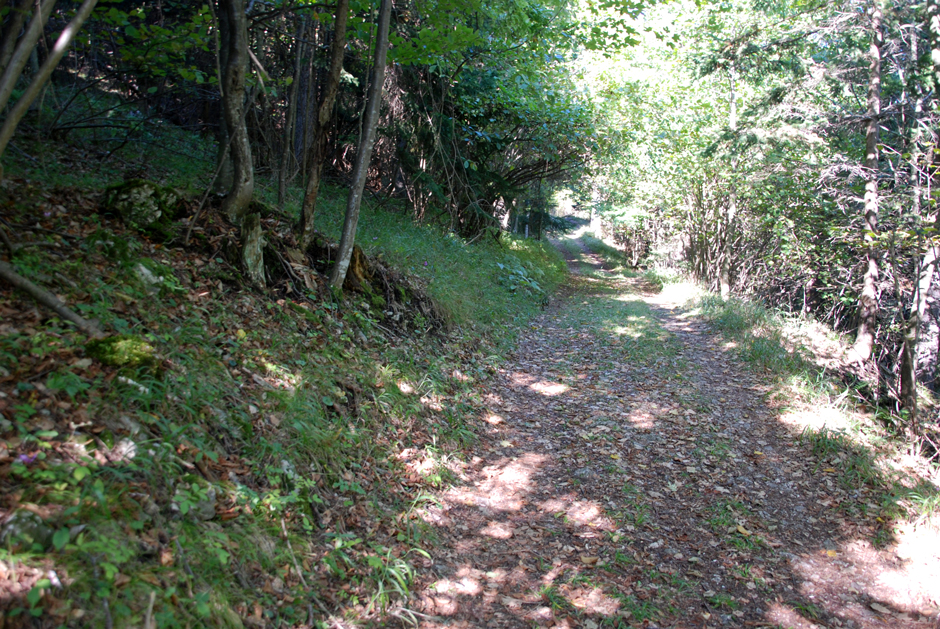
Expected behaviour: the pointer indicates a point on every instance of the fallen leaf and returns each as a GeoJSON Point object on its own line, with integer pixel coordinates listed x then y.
{"type": "Point", "coordinates": [150, 578]}
{"type": "Point", "coordinates": [589, 561]}
{"type": "Point", "coordinates": [743, 531]}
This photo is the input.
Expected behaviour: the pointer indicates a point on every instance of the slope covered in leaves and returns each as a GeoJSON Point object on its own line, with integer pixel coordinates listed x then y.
{"type": "Point", "coordinates": [227, 457]}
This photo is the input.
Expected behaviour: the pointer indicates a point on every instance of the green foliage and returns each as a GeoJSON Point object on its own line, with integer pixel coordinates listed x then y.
{"type": "Point", "coordinates": [66, 381]}
{"type": "Point", "coordinates": [516, 276]}
{"type": "Point", "coordinates": [158, 51]}
{"type": "Point", "coordinates": [758, 332]}
{"type": "Point", "coordinates": [464, 279]}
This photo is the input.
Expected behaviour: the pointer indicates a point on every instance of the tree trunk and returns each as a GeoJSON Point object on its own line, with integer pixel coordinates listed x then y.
{"type": "Point", "coordinates": [868, 300]}
{"type": "Point", "coordinates": [927, 267]}
{"type": "Point", "coordinates": [234, 30]}
{"type": "Point", "coordinates": [223, 160]}
{"type": "Point", "coordinates": [45, 71]}
{"type": "Point", "coordinates": [20, 55]}
{"type": "Point", "coordinates": [11, 32]}
{"type": "Point", "coordinates": [322, 120]}
{"type": "Point", "coordinates": [286, 156]}
{"type": "Point", "coordinates": [724, 281]}
{"type": "Point", "coordinates": [252, 241]}
{"type": "Point", "coordinates": [364, 154]}
{"type": "Point", "coordinates": [908, 365]}
{"type": "Point", "coordinates": [933, 31]}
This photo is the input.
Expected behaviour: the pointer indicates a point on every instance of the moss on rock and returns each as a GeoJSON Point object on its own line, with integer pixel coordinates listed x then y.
{"type": "Point", "coordinates": [144, 205]}
{"type": "Point", "coordinates": [123, 351]}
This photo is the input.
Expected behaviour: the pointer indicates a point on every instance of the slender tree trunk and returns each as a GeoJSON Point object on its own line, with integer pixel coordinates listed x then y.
{"type": "Point", "coordinates": [912, 339]}
{"type": "Point", "coordinates": [308, 103]}
{"type": "Point", "coordinates": [235, 47]}
{"type": "Point", "coordinates": [11, 32]}
{"type": "Point", "coordinates": [732, 210]}
{"type": "Point", "coordinates": [366, 142]}
{"type": "Point", "coordinates": [13, 69]}
{"type": "Point", "coordinates": [322, 120]}
{"type": "Point", "coordinates": [928, 264]}
{"type": "Point", "coordinates": [868, 300]}
{"type": "Point", "coordinates": [287, 155]}
{"type": "Point", "coordinates": [45, 71]}
{"type": "Point", "coordinates": [223, 182]}
{"type": "Point", "coordinates": [933, 32]}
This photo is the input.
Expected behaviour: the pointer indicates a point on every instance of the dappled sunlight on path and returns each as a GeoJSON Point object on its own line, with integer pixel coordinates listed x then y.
{"type": "Point", "coordinates": [633, 474]}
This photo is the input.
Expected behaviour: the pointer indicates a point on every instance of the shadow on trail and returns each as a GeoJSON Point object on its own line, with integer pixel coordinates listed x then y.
{"type": "Point", "coordinates": [634, 474]}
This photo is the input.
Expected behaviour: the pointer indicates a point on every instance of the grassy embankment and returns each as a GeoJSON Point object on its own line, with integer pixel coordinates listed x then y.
{"type": "Point", "coordinates": [255, 459]}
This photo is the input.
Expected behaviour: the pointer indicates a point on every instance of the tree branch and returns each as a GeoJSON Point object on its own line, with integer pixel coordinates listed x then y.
{"type": "Point", "coordinates": [48, 300]}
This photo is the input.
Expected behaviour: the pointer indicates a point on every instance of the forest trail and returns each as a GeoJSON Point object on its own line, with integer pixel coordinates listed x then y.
{"type": "Point", "coordinates": [634, 474]}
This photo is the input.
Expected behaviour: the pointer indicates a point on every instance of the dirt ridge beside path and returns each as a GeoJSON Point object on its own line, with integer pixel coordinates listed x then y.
{"type": "Point", "coordinates": [634, 474]}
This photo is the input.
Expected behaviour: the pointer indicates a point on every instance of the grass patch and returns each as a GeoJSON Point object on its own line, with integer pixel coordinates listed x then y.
{"type": "Point", "coordinates": [484, 284]}
{"type": "Point", "coordinates": [757, 332]}
{"type": "Point", "coordinates": [598, 247]}
{"type": "Point", "coordinates": [627, 325]}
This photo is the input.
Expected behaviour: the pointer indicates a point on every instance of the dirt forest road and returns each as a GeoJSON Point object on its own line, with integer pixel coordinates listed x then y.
{"type": "Point", "coordinates": [635, 474]}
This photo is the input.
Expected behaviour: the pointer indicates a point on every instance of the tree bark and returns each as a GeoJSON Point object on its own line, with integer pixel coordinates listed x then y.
{"type": "Point", "coordinates": [235, 48]}
{"type": "Point", "coordinates": [287, 155]}
{"type": "Point", "coordinates": [933, 32]}
{"type": "Point", "coordinates": [325, 112]}
{"type": "Point", "coordinates": [724, 281]}
{"type": "Point", "coordinates": [45, 71]}
{"type": "Point", "coordinates": [364, 155]}
{"type": "Point", "coordinates": [252, 241]}
{"type": "Point", "coordinates": [868, 300]}
{"type": "Point", "coordinates": [223, 181]}
{"type": "Point", "coordinates": [13, 68]}
{"type": "Point", "coordinates": [11, 33]}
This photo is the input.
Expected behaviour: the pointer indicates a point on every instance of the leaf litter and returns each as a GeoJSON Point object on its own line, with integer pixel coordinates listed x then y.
{"type": "Point", "coordinates": [634, 474]}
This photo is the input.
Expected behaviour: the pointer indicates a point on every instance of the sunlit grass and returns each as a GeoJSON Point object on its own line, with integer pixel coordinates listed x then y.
{"type": "Point", "coordinates": [464, 279]}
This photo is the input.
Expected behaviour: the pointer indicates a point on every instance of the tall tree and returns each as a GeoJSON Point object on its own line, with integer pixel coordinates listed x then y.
{"type": "Point", "coordinates": [233, 26]}
{"type": "Point", "coordinates": [288, 152]}
{"type": "Point", "coordinates": [321, 122]}
{"type": "Point", "coordinates": [10, 33]}
{"type": "Point", "coordinates": [366, 142]}
{"type": "Point", "coordinates": [732, 208]}
{"type": "Point", "coordinates": [923, 145]}
{"type": "Point", "coordinates": [868, 299]}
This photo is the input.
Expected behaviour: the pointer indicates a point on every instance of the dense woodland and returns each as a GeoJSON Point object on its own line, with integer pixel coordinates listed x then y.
{"type": "Point", "coordinates": [784, 151]}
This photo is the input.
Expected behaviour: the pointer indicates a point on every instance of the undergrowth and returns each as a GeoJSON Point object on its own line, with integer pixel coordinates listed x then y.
{"type": "Point", "coordinates": [261, 463]}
